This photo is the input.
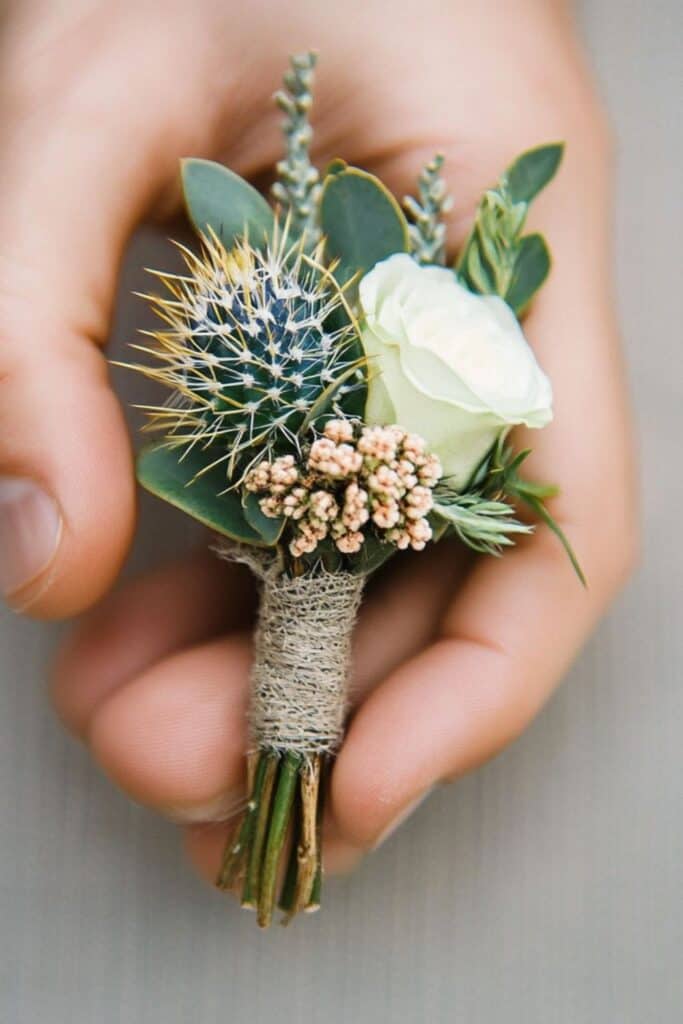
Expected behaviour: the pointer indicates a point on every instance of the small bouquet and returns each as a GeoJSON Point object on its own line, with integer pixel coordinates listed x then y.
{"type": "Point", "coordinates": [337, 394]}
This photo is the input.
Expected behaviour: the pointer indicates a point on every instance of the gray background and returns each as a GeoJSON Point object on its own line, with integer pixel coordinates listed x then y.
{"type": "Point", "coordinates": [556, 873]}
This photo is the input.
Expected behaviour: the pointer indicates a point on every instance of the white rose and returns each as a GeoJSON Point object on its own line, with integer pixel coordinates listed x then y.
{"type": "Point", "coordinates": [446, 363]}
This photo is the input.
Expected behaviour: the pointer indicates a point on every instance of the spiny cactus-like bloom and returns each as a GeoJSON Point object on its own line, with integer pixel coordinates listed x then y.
{"type": "Point", "coordinates": [353, 479]}
{"type": "Point", "coordinates": [248, 350]}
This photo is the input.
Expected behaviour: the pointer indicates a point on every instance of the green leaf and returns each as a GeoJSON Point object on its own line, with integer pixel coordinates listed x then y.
{"type": "Point", "coordinates": [217, 198]}
{"type": "Point", "coordinates": [362, 222]}
{"type": "Point", "coordinates": [439, 525]}
{"type": "Point", "coordinates": [495, 259]}
{"type": "Point", "coordinates": [543, 514]}
{"type": "Point", "coordinates": [529, 488]}
{"type": "Point", "coordinates": [485, 526]}
{"type": "Point", "coordinates": [269, 529]}
{"type": "Point", "coordinates": [336, 166]}
{"type": "Point", "coordinates": [326, 553]}
{"type": "Point", "coordinates": [532, 171]}
{"type": "Point", "coordinates": [475, 270]}
{"type": "Point", "coordinates": [498, 474]}
{"type": "Point", "coordinates": [324, 403]}
{"type": "Point", "coordinates": [162, 471]}
{"type": "Point", "coordinates": [332, 559]}
{"type": "Point", "coordinates": [373, 553]}
{"type": "Point", "coordinates": [532, 265]}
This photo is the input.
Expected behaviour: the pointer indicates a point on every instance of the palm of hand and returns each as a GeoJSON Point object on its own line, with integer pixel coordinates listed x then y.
{"type": "Point", "coordinates": [155, 678]}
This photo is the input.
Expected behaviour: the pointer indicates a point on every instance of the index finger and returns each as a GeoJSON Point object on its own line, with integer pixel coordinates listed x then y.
{"type": "Point", "coordinates": [73, 184]}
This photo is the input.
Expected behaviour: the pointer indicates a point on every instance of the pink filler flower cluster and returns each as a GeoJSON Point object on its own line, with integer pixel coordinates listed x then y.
{"type": "Point", "coordinates": [352, 479]}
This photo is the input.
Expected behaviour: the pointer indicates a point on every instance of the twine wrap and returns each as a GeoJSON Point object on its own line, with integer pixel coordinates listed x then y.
{"type": "Point", "coordinates": [302, 653]}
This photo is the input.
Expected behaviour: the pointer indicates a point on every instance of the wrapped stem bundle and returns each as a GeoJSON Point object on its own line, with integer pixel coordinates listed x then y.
{"type": "Point", "coordinates": [337, 395]}
{"type": "Point", "coordinates": [302, 649]}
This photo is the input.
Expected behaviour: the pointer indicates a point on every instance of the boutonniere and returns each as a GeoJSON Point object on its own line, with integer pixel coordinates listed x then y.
{"type": "Point", "coordinates": [337, 393]}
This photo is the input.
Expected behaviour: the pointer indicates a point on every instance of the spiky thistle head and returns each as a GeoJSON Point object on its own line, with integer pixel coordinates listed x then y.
{"type": "Point", "coordinates": [251, 346]}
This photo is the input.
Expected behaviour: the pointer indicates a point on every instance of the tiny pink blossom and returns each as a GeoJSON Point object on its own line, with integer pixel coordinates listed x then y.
{"type": "Point", "coordinates": [353, 476]}
{"type": "Point", "coordinates": [339, 431]}
{"type": "Point", "coordinates": [405, 471]}
{"type": "Point", "coordinates": [384, 481]}
{"type": "Point", "coordinates": [283, 472]}
{"type": "Point", "coordinates": [413, 445]}
{"type": "Point", "coordinates": [386, 516]}
{"type": "Point", "coordinates": [419, 532]}
{"type": "Point", "coordinates": [401, 538]}
{"type": "Point", "coordinates": [271, 507]}
{"type": "Point", "coordinates": [323, 506]}
{"type": "Point", "coordinates": [378, 443]}
{"type": "Point", "coordinates": [429, 470]}
{"type": "Point", "coordinates": [350, 543]}
{"type": "Point", "coordinates": [258, 478]}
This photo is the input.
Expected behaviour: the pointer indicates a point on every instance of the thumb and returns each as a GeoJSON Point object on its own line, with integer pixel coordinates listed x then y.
{"type": "Point", "coordinates": [67, 490]}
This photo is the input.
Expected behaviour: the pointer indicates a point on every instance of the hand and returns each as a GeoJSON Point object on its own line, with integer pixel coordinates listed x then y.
{"type": "Point", "coordinates": [98, 103]}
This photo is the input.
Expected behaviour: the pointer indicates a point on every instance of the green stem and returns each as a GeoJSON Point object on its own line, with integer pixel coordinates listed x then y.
{"type": "Point", "coordinates": [307, 847]}
{"type": "Point", "coordinates": [250, 892]}
{"type": "Point", "coordinates": [288, 892]}
{"type": "Point", "coordinates": [277, 834]}
{"type": "Point", "coordinates": [314, 899]}
{"type": "Point", "coordinates": [236, 851]}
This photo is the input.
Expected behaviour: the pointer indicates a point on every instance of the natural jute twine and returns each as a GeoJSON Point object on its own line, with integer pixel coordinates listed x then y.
{"type": "Point", "coordinates": [302, 653]}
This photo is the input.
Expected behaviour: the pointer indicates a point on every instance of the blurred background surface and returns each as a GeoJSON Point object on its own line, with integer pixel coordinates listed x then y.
{"type": "Point", "coordinates": [555, 873]}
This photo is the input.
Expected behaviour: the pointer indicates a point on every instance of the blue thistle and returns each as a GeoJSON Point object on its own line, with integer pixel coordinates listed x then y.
{"type": "Point", "coordinates": [253, 355]}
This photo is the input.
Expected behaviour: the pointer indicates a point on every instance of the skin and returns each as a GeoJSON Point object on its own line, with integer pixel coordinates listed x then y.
{"type": "Point", "coordinates": [452, 660]}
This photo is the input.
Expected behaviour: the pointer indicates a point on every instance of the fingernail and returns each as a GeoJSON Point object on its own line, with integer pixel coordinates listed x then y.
{"type": "Point", "coordinates": [30, 525]}
{"type": "Point", "coordinates": [221, 808]}
{"type": "Point", "coordinates": [402, 816]}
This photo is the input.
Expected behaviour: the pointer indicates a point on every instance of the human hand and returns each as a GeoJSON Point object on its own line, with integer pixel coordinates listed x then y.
{"type": "Point", "coordinates": [99, 102]}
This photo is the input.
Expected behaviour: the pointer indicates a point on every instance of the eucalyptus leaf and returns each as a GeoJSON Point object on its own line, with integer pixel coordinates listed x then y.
{"type": "Point", "coordinates": [496, 258]}
{"type": "Point", "coordinates": [162, 471]}
{"type": "Point", "coordinates": [324, 403]}
{"type": "Point", "coordinates": [332, 559]}
{"type": "Point", "coordinates": [336, 166]}
{"type": "Point", "coordinates": [532, 265]}
{"type": "Point", "coordinates": [362, 222]}
{"type": "Point", "coordinates": [269, 528]}
{"type": "Point", "coordinates": [372, 555]}
{"type": "Point", "coordinates": [326, 553]}
{"type": "Point", "coordinates": [217, 198]}
{"type": "Point", "coordinates": [532, 171]}
{"type": "Point", "coordinates": [476, 272]}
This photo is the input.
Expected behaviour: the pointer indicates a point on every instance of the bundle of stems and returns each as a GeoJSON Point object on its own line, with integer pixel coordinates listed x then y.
{"type": "Point", "coordinates": [275, 855]}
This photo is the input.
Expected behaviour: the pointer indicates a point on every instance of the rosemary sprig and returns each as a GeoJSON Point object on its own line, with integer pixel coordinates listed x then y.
{"type": "Point", "coordinates": [484, 517]}
{"type": "Point", "coordinates": [482, 524]}
{"type": "Point", "coordinates": [502, 477]}
{"type": "Point", "coordinates": [526, 491]}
